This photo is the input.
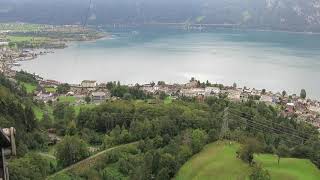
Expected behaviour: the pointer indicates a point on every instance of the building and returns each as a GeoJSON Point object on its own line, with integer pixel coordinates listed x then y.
{"type": "Point", "coordinates": [2, 43]}
{"type": "Point", "coordinates": [192, 84]}
{"type": "Point", "coordinates": [268, 99]}
{"type": "Point", "coordinates": [314, 108]}
{"type": "Point", "coordinates": [49, 83]}
{"type": "Point", "coordinates": [88, 84]}
{"type": "Point", "coordinates": [45, 97]}
{"type": "Point", "coordinates": [98, 97]}
{"type": "Point", "coordinates": [234, 95]}
{"type": "Point", "coordinates": [290, 108]}
{"type": "Point", "coordinates": [209, 91]}
{"type": "Point", "coordinates": [149, 88]}
{"type": "Point", "coordinates": [193, 92]}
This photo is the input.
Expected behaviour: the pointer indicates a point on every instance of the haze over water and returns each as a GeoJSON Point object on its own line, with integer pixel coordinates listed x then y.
{"type": "Point", "coordinates": [272, 60]}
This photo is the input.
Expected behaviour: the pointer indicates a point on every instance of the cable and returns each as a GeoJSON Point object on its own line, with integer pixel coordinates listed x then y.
{"type": "Point", "coordinates": [277, 124]}
{"type": "Point", "coordinates": [267, 126]}
{"type": "Point", "coordinates": [264, 128]}
{"type": "Point", "coordinates": [287, 140]}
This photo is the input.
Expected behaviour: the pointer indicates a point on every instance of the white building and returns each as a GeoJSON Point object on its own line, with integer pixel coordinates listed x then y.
{"type": "Point", "coordinates": [149, 88]}
{"type": "Point", "coordinates": [88, 84]}
{"type": "Point", "coordinates": [234, 95]}
{"type": "Point", "coordinates": [98, 97]}
{"type": "Point", "coordinates": [192, 92]}
{"type": "Point", "coordinates": [4, 43]}
{"type": "Point", "coordinates": [266, 98]}
{"type": "Point", "coordinates": [211, 91]}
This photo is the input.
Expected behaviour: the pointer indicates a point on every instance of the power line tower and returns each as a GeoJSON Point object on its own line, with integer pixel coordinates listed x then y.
{"type": "Point", "coordinates": [225, 123]}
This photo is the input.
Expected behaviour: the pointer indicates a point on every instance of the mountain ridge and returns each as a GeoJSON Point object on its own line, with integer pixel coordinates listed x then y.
{"type": "Point", "coordinates": [295, 15]}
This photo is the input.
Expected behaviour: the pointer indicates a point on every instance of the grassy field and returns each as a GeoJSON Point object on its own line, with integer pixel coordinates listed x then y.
{"type": "Point", "coordinates": [77, 108]}
{"type": "Point", "coordinates": [50, 90]}
{"type": "Point", "coordinates": [21, 27]}
{"type": "Point", "coordinates": [218, 161]}
{"type": "Point", "coordinates": [26, 38]}
{"type": "Point", "coordinates": [289, 168]}
{"type": "Point", "coordinates": [69, 99]}
{"type": "Point", "coordinates": [38, 112]}
{"type": "Point", "coordinates": [168, 100]}
{"type": "Point", "coordinates": [29, 87]}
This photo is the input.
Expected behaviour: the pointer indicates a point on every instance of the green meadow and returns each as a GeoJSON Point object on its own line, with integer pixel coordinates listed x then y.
{"type": "Point", "coordinates": [289, 168]}
{"type": "Point", "coordinates": [68, 99]}
{"type": "Point", "coordinates": [30, 88]}
{"type": "Point", "coordinates": [218, 161]}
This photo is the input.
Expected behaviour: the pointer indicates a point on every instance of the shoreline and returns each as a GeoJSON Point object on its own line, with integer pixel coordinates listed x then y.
{"type": "Point", "coordinates": [273, 88]}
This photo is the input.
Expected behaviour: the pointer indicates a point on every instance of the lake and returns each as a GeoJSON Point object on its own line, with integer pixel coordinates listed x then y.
{"type": "Point", "coordinates": [262, 59]}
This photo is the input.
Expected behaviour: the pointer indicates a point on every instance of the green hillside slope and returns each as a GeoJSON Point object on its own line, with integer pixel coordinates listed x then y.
{"type": "Point", "coordinates": [218, 160]}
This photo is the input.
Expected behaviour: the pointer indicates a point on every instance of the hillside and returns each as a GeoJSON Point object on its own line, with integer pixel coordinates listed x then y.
{"type": "Point", "coordinates": [219, 160]}
{"type": "Point", "coordinates": [215, 160]}
{"type": "Point", "coordinates": [168, 132]}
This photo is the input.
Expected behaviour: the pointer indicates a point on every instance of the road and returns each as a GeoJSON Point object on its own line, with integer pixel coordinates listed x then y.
{"type": "Point", "coordinates": [88, 161]}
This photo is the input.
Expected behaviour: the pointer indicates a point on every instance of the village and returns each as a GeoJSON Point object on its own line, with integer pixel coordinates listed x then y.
{"type": "Point", "coordinates": [22, 42]}
{"type": "Point", "coordinates": [10, 58]}
{"type": "Point", "coordinates": [89, 91]}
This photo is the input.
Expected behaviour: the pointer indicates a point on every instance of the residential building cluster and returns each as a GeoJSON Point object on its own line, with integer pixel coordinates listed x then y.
{"type": "Point", "coordinates": [305, 109]}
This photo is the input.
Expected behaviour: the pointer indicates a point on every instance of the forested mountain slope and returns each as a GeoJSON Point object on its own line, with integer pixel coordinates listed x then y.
{"type": "Point", "coordinates": [295, 15]}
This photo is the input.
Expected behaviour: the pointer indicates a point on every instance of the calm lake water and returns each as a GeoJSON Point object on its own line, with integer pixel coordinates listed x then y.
{"type": "Point", "coordinates": [273, 60]}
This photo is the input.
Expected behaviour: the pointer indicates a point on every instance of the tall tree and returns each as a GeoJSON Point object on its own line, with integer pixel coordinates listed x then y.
{"type": "Point", "coordinates": [303, 94]}
{"type": "Point", "coordinates": [71, 150]}
{"type": "Point", "coordinates": [282, 151]}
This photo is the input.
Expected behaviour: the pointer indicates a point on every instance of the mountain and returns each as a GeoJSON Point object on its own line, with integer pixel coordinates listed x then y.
{"type": "Point", "coordinates": [296, 15]}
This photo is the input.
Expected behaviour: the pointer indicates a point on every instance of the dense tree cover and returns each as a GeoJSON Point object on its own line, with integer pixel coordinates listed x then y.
{"type": "Point", "coordinates": [11, 87]}
{"type": "Point", "coordinates": [71, 150]}
{"type": "Point", "coordinates": [16, 111]}
{"type": "Point", "coordinates": [259, 173]}
{"type": "Point", "coordinates": [26, 77]}
{"type": "Point", "coordinates": [303, 94]}
{"type": "Point", "coordinates": [32, 166]}
{"type": "Point", "coordinates": [126, 92]}
{"type": "Point", "coordinates": [250, 147]}
{"type": "Point", "coordinates": [169, 134]}
{"type": "Point", "coordinates": [63, 88]}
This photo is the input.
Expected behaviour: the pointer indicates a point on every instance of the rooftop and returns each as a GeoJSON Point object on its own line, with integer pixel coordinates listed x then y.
{"type": "Point", "coordinates": [98, 94]}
